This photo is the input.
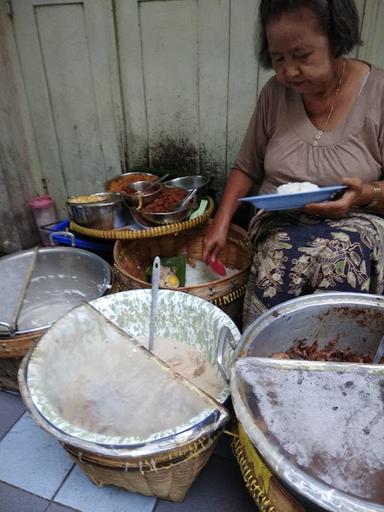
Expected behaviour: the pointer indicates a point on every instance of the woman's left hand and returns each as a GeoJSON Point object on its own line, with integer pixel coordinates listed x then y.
{"type": "Point", "coordinates": [356, 194]}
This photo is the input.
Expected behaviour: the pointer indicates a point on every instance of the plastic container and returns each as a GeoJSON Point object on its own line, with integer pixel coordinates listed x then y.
{"type": "Point", "coordinates": [60, 234]}
{"type": "Point", "coordinates": [44, 212]}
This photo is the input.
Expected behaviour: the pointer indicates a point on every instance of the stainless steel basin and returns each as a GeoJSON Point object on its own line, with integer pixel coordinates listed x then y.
{"type": "Point", "coordinates": [63, 277]}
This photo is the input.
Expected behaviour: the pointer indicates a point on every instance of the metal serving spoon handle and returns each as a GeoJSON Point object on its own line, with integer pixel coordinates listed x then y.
{"type": "Point", "coordinates": [186, 200]}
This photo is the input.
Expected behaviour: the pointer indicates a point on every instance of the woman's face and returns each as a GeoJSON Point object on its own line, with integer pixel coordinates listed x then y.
{"type": "Point", "coordinates": [300, 52]}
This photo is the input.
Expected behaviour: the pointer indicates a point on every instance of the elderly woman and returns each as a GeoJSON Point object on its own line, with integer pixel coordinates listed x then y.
{"type": "Point", "coordinates": [319, 119]}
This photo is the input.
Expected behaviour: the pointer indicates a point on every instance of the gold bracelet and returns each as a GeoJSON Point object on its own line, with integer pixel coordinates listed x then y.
{"type": "Point", "coordinates": [376, 195]}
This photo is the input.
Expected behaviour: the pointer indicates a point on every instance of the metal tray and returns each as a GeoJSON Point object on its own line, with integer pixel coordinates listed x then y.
{"type": "Point", "coordinates": [318, 426]}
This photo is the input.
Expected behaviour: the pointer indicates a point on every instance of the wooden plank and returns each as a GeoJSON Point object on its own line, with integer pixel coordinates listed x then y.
{"type": "Point", "coordinates": [132, 81]}
{"type": "Point", "coordinates": [74, 49]}
{"type": "Point", "coordinates": [69, 78]}
{"type": "Point", "coordinates": [243, 74]}
{"type": "Point", "coordinates": [372, 33]}
{"type": "Point", "coordinates": [170, 67]}
{"type": "Point", "coordinates": [39, 105]}
{"type": "Point", "coordinates": [213, 41]}
{"type": "Point", "coordinates": [99, 19]}
{"type": "Point", "coordinates": [69, 61]}
{"type": "Point", "coordinates": [17, 229]}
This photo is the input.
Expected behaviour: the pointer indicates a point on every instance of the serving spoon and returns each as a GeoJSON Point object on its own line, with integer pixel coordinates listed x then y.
{"type": "Point", "coordinates": [154, 293]}
{"type": "Point", "coordinates": [186, 200]}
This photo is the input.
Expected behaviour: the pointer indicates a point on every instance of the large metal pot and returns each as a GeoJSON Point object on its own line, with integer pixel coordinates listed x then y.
{"type": "Point", "coordinates": [357, 320]}
{"type": "Point", "coordinates": [99, 211]}
{"type": "Point", "coordinates": [62, 278]}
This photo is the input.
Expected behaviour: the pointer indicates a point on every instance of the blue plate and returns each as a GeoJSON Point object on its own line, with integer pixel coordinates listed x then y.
{"type": "Point", "coordinates": [273, 202]}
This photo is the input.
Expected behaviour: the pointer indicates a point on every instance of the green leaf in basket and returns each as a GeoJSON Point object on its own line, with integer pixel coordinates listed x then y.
{"type": "Point", "coordinates": [177, 264]}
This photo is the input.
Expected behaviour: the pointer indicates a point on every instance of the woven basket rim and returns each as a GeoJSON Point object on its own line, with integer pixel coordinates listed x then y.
{"type": "Point", "coordinates": [156, 231]}
{"type": "Point", "coordinates": [234, 230]}
{"type": "Point", "coordinates": [165, 459]}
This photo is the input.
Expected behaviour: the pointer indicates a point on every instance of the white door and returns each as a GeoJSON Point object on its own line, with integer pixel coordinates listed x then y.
{"type": "Point", "coordinates": [68, 58]}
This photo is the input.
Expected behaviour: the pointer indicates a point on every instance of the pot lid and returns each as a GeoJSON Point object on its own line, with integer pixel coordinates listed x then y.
{"type": "Point", "coordinates": [97, 386]}
{"type": "Point", "coordinates": [62, 278]}
{"type": "Point", "coordinates": [319, 426]}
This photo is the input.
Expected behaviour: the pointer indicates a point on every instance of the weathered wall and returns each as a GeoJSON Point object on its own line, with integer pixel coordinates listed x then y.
{"type": "Point", "coordinates": [16, 227]}
{"type": "Point", "coordinates": [106, 85]}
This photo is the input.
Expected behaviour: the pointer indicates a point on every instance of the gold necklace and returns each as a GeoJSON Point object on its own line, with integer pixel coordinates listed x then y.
{"type": "Point", "coordinates": [322, 130]}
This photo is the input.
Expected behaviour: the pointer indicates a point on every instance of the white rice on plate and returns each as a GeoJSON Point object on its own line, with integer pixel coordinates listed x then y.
{"type": "Point", "coordinates": [296, 187]}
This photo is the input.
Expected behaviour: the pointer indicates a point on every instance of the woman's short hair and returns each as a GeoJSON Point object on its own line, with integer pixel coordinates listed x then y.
{"type": "Point", "coordinates": [338, 20]}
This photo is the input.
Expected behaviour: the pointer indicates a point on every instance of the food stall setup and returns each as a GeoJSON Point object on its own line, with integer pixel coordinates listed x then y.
{"type": "Point", "coordinates": [129, 351]}
{"type": "Point", "coordinates": [158, 454]}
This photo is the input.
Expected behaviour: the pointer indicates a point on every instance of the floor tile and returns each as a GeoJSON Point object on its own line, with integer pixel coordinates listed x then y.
{"type": "Point", "coordinates": [16, 500]}
{"type": "Point", "coordinates": [32, 459]}
{"type": "Point", "coordinates": [219, 487]}
{"type": "Point", "coordinates": [55, 507]}
{"type": "Point", "coordinates": [11, 408]}
{"type": "Point", "coordinates": [79, 492]}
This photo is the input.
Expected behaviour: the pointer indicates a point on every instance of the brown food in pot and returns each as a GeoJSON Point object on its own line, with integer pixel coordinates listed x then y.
{"type": "Point", "coordinates": [311, 352]}
{"type": "Point", "coordinates": [280, 355]}
{"type": "Point", "coordinates": [169, 198]}
{"type": "Point", "coordinates": [121, 184]}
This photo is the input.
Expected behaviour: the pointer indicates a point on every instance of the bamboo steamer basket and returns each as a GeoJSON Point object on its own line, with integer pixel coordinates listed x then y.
{"type": "Point", "coordinates": [131, 258]}
{"type": "Point", "coordinates": [165, 468]}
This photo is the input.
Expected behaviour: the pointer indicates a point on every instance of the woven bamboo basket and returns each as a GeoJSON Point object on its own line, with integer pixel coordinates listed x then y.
{"type": "Point", "coordinates": [131, 258]}
{"type": "Point", "coordinates": [266, 490]}
{"type": "Point", "coordinates": [146, 233]}
{"type": "Point", "coordinates": [12, 351]}
{"type": "Point", "coordinates": [164, 467]}
{"type": "Point", "coordinates": [167, 476]}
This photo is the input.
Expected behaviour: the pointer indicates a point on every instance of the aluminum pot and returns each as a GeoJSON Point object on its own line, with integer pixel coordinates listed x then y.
{"type": "Point", "coordinates": [62, 278]}
{"type": "Point", "coordinates": [200, 182]}
{"type": "Point", "coordinates": [99, 211]}
{"type": "Point", "coordinates": [357, 320]}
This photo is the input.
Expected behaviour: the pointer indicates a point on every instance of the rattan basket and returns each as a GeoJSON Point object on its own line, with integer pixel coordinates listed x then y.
{"type": "Point", "coordinates": [146, 233]}
{"type": "Point", "coordinates": [266, 490]}
{"type": "Point", "coordinates": [131, 258]}
{"type": "Point", "coordinates": [167, 476]}
{"type": "Point", "coordinates": [12, 351]}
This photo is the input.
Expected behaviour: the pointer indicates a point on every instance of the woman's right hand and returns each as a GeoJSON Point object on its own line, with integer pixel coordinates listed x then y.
{"type": "Point", "coordinates": [238, 185]}
{"type": "Point", "coordinates": [214, 240]}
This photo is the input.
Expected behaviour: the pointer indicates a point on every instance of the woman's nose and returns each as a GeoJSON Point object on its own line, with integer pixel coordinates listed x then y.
{"type": "Point", "coordinates": [291, 70]}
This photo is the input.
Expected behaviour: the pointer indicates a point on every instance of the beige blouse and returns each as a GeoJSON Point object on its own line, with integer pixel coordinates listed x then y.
{"type": "Point", "coordinates": [280, 145]}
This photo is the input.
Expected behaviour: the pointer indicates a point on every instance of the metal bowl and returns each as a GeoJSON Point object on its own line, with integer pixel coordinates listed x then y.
{"type": "Point", "coordinates": [188, 183]}
{"type": "Point", "coordinates": [118, 183]}
{"type": "Point", "coordinates": [99, 211]}
{"type": "Point", "coordinates": [143, 192]}
{"type": "Point", "coordinates": [144, 218]}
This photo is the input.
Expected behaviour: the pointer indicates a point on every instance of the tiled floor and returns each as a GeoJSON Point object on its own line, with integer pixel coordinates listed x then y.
{"type": "Point", "coordinates": [36, 475]}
